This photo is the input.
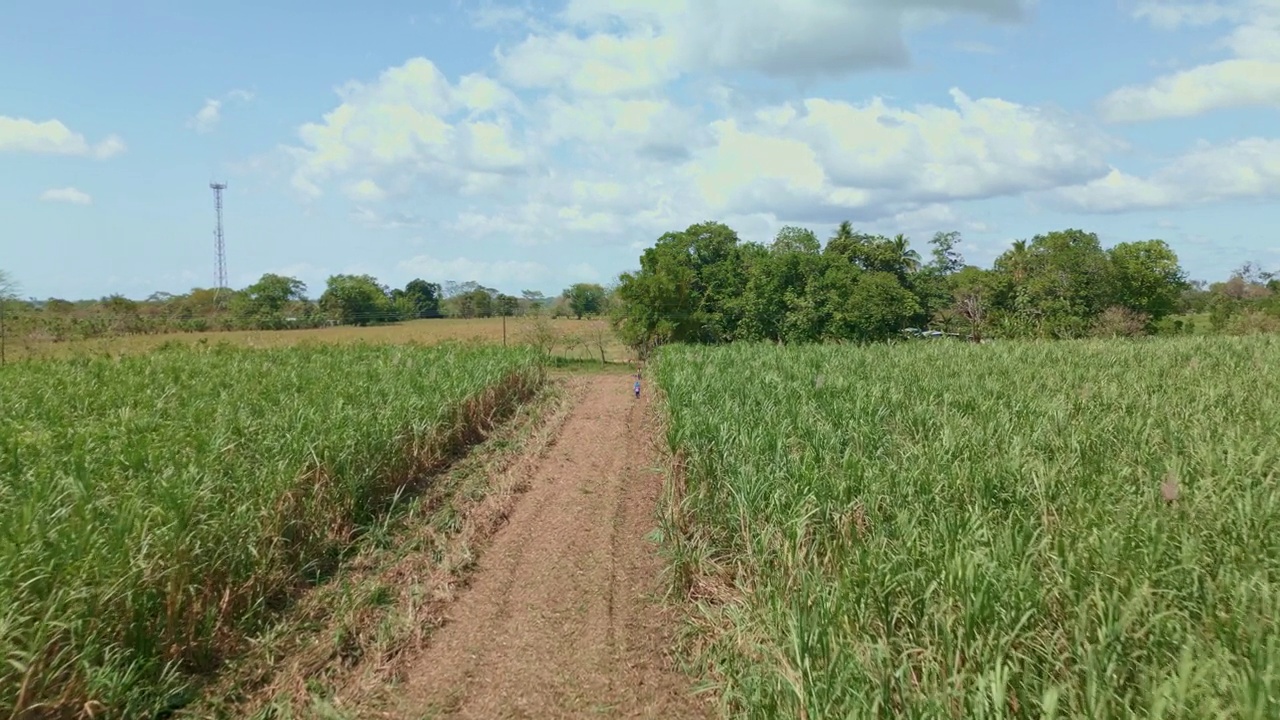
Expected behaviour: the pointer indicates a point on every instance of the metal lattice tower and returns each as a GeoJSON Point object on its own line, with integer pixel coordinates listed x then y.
{"type": "Point", "coordinates": [219, 242]}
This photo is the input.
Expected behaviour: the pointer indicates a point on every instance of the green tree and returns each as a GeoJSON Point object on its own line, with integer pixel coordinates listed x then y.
{"type": "Point", "coordinates": [356, 300]}
{"type": "Point", "coordinates": [401, 307]}
{"type": "Point", "coordinates": [689, 288]}
{"type": "Point", "coordinates": [506, 305]}
{"type": "Point", "coordinates": [876, 308]}
{"type": "Point", "coordinates": [904, 257]}
{"type": "Point", "coordinates": [874, 253]}
{"type": "Point", "coordinates": [475, 303]}
{"type": "Point", "coordinates": [945, 258]}
{"type": "Point", "coordinates": [532, 302]}
{"type": "Point", "coordinates": [973, 291]}
{"type": "Point", "coordinates": [118, 304]}
{"type": "Point", "coordinates": [854, 247]}
{"type": "Point", "coordinates": [779, 301]}
{"type": "Point", "coordinates": [1147, 277]}
{"type": "Point", "coordinates": [843, 241]}
{"type": "Point", "coordinates": [795, 239]}
{"type": "Point", "coordinates": [421, 298]}
{"type": "Point", "coordinates": [1058, 283]}
{"type": "Point", "coordinates": [469, 299]}
{"type": "Point", "coordinates": [58, 306]}
{"type": "Point", "coordinates": [1015, 261]}
{"type": "Point", "coordinates": [585, 299]}
{"type": "Point", "coordinates": [932, 281]}
{"type": "Point", "coordinates": [269, 296]}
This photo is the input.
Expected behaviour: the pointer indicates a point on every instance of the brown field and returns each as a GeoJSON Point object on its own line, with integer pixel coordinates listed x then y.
{"type": "Point", "coordinates": [574, 339]}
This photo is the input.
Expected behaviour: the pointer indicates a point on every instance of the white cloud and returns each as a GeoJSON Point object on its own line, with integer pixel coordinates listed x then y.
{"type": "Point", "coordinates": [879, 159]}
{"type": "Point", "coordinates": [366, 190]}
{"type": "Point", "coordinates": [1243, 170]}
{"type": "Point", "coordinates": [66, 195]}
{"type": "Point", "coordinates": [615, 168]}
{"type": "Point", "coordinates": [602, 64]}
{"type": "Point", "coordinates": [489, 16]}
{"type": "Point", "coordinates": [51, 137]}
{"type": "Point", "coordinates": [1250, 78]}
{"type": "Point", "coordinates": [921, 223]}
{"type": "Point", "coordinates": [109, 148]}
{"type": "Point", "coordinates": [654, 128]}
{"type": "Point", "coordinates": [208, 117]}
{"type": "Point", "coordinates": [539, 222]}
{"type": "Point", "coordinates": [1217, 86]}
{"type": "Point", "coordinates": [663, 38]}
{"type": "Point", "coordinates": [600, 149]}
{"type": "Point", "coordinates": [412, 122]}
{"type": "Point", "coordinates": [817, 161]}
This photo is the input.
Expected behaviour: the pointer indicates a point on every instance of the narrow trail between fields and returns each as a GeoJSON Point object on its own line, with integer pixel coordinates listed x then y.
{"type": "Point", "coordinates": [561, 617]}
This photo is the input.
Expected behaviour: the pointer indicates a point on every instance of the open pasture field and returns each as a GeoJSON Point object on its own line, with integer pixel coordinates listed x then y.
{"type": "Point", "coordinates": [154, 509]}
{"type": "Point", "coordinates": [564, 337]}
{"type": "Point", "coordinates": [1083, 529]}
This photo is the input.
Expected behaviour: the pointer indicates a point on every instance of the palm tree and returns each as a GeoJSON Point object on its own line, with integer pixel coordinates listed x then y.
{"type": "Point", "coordinates": [907, 258]}
{"type": "Point", "coordinates": [1018, 256]}
{"type": "Point", "coordinates": [843, 243]}
{"type": "Point", "coordinates": [844, 232]}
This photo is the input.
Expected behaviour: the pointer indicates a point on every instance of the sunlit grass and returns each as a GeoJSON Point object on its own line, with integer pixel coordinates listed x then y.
{"type": "Point", "coordinates": [949, 530]}
{"type": "Point", "coordinates": [154, 509]}
{"type": "Point", "coordinates": [572, 339]}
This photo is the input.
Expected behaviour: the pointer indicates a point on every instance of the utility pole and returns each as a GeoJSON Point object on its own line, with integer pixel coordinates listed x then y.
{"type": "Point", "coordinates": [219, 242]}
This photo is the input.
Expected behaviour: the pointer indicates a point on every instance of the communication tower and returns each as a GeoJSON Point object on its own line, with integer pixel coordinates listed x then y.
{"type": "Point", "coordinates": [219, 242]}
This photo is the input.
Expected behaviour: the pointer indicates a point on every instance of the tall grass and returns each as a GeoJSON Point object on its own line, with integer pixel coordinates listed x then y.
{"type": "Point", "coordinates": [154, 509]}
{"type": "Point", "coordinates": [948, 530]}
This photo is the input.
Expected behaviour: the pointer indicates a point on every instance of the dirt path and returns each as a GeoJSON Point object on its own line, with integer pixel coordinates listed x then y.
{"type": "Point", "coordinates": [560, 618]}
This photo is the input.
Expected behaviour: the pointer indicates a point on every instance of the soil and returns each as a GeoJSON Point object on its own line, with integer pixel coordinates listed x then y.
{"type": "Point", "coordinates": [562, 615]}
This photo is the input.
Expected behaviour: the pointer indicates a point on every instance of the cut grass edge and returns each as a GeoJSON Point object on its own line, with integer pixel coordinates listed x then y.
{"type": "Point", "coordinates": [346, 642]}
{"type": "Point", "coordinates": [700, 593]}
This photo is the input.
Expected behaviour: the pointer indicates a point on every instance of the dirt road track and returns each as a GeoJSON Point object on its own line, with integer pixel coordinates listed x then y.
{"type": "Point", "coordinates": [560, 619]}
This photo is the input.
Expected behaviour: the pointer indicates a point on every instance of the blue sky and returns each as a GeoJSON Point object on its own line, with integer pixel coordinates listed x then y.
{"type": "Point", "coordinates": [530, 145]}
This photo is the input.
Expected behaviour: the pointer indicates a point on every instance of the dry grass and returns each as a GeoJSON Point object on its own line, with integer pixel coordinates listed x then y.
{"type": "Point", "coordinates": [575, 339]}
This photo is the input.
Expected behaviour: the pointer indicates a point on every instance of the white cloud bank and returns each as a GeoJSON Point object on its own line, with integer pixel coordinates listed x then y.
{"type": "Point", "coordinates": [660, 40]}
{"type": "Point", "coordinates": [585, 133]}
{"type": "Point", "coordinates": [1250, 77]}
{"type": "Point", "coordinates": [1242, 170]}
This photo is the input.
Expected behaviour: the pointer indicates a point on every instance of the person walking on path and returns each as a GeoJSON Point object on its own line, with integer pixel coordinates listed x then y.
{"type": "Point", "coordinates": [636, 387]}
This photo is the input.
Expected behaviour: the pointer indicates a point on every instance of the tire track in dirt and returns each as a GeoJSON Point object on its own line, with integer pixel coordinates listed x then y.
{"type": "Point", "coordinates": [561, 618]}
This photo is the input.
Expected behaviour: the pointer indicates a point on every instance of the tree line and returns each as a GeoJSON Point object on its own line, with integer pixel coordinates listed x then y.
{"type": "Point", "coordinates": [278, 302]}
{"type": "Point", "coordinates": [704, 285]}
